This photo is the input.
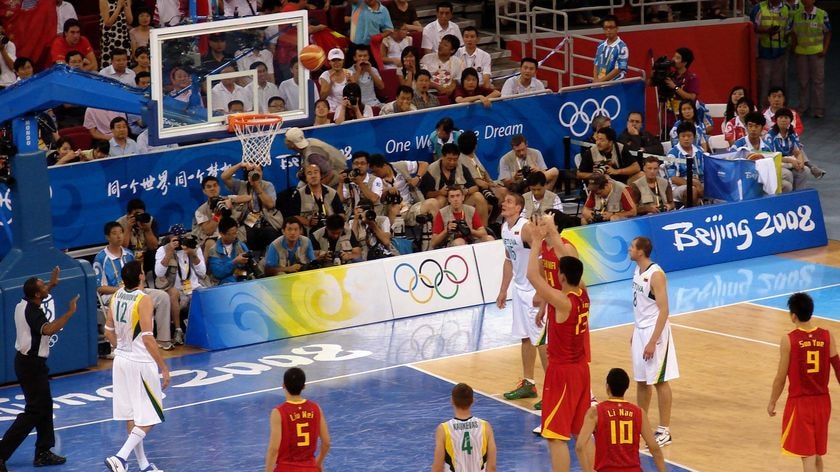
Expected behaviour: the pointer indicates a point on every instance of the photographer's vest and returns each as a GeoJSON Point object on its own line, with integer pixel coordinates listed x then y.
{"type": "Point", "coordinates": [343, 243]}
{"type": "Point", "coordinates": [273, 216]}
{"type": "Point", "coordinates": [475, 166]}
{"type": "Point", "coordinates": [205, 210]}
{"type": "Point", "coordinates": [598, 158]}
{"type": "Point", "coordinates": [336, 159]}
{"type": "Point", "coordinates": [370, 239]}
{"type": "Point", "coordinates": [647, 195]}
{"type": "Point", "coordinates": [770, 18]}
{"type": "Point", "coordinates": [218, 250]}
{"type": "Point", "coordinates": [447, 215]}
{"type": "Point", "coordinates": [513, 163]}
{"type": "Point", "coordinates": [437, 174]}
{"type": "Point", "coordinates": [402, 168]}
{"type": "Point", "coordinates": [612, 203]}
{"type": "Point", "coordinates": [809, 31]}
{"type": "Point", "coordinates": [309, 206]}
{"type": "Point", "coordinates": [546, 203]}
{"type": "Point", "coordinates": [299, 252]}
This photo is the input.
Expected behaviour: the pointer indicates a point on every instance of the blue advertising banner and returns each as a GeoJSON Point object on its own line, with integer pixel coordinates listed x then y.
{"type": "Point", "coordinates": [733, 178]}
{"type": "Point", "coordinates": [85, 196]}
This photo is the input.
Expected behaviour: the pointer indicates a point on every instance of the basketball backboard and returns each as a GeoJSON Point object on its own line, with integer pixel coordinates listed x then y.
{"type": "Point", "coordinates": [202, 72]}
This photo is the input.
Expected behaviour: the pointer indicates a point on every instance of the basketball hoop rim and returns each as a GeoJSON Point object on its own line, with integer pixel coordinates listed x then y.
{"type": "Point", "coordinates": [242, 119]}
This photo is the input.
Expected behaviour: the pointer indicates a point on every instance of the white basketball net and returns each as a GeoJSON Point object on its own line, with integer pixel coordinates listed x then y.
{"type": "Point", "coordinates": [256, 133]}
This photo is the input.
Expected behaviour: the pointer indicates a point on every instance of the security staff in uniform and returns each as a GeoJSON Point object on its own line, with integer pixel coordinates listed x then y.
{"type": "Point", "coordinates": [33, 347]}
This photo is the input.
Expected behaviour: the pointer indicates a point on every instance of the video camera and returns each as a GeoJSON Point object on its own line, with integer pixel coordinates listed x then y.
{"type": "Point", "coordinates": [663, 69]}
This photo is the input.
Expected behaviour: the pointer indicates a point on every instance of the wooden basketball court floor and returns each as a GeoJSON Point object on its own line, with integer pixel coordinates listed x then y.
{"type": "Point", "coordinates": [384, 387]}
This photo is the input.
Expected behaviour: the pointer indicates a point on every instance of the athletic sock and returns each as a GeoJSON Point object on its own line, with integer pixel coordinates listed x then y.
{"type": "Point", "coordinates": [140, 455]}
{"type": "Point", "coordinates": [531, 381]}
{"type": "Point", "coordinates": [135, 437]}
{"type": "Point", "coordinates": [663, 429]}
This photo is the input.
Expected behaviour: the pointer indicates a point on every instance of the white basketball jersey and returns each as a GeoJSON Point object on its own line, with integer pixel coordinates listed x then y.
{"type": "Point", "coordinates": [465, 444]}
{"type": "Point", "coordinates": [126, 313]}
{"type": "Point", "coordinates": [517, 253]}
{"type": "Point", "coordinates": [644, 302]}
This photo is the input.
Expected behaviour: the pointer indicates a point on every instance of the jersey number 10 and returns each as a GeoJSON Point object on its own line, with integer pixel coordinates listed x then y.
{"type": "Point", "coordinates": [621, 432]}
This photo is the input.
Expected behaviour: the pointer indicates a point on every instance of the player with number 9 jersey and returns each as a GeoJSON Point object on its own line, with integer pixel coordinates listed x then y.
{"type": "Point", "coordinates": [617, 436]}
{"type": "Point", "coordinates": [808, 407]}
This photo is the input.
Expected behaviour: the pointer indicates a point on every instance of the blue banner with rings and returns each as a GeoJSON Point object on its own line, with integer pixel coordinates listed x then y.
{"type": "Point", "coordinates": [87, 195]}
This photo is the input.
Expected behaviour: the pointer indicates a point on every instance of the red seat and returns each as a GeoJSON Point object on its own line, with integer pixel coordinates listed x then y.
{"type": "Point", "coordinates": [320, 16]}
{"type": "Point", "coordinates": [336, 19]}
{"type": "Point", "coordinates": [90, 30]}
{"type": "Point", "coordinates": [444, 100]}
{"type": "Point", "coordinates": [86, 7]}
{"type": "Point", "coordinates": [376, 50]}
{"type": "Point", "coordinates": [417, 41]}
{"type": "Point", "coordinates": [392, 82]}
{"type": "Point", "coordinates": [79, 135]}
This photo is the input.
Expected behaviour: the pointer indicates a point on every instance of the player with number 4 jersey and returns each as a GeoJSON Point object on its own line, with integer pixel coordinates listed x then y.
{"type": "Point", "coordinates": [464, 443]}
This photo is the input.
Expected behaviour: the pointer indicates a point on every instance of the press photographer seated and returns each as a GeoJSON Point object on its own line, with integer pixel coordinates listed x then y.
{"type": "Point", "coordinates": [139, 232]}
{"type": "Point", "coordinates": [179, 269]}
{"type": "Point", "coordinates": [457, 224]}
{"type": "Point", "coordinates": [374, 231]}
{"type": "Point", "coordinates": [228, 258]}
{"type": "Point", "coordinates": [205, 224]}
{"type": "Point", "coordinates": [608, 201]}
{"type": "Point", "coordinates": [608, 157]}
{"type": "Point", "coordinates": [256, 200]}
{"type": "Point", "coordinates": [653, 193]}
{"type": "Point", "coordinates": [289, 253]}
{"type": "Point", "coordinates": [335, 244]}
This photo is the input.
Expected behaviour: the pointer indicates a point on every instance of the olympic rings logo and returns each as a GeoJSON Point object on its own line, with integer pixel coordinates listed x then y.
{"type": "Point", "coordinates": [572, 117]}
{"type": "Point", "coordinates": [433, 277]}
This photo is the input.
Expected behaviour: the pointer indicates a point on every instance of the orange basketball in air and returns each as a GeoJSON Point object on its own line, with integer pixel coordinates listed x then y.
{"type": "Point", "coordinates": [312, 57]}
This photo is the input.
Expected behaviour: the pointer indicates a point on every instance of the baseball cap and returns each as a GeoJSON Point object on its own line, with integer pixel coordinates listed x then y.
{"type": "Point", "coordinates": [335, 53]}
{"type": "Point", "coordinates": [177, 229]}
{"type": "Point", "coordinates": [296, 138]}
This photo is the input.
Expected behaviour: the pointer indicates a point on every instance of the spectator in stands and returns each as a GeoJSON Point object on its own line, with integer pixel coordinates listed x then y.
{"type": "Point", "coordinates": [652, 194]}
{"type": "Point", "coordinates": [537, 199]}
{"type": "Point", "coordinates": [404, 13]}
{"type": "Point", "coordinates": [228, 257]}
{"type": "Point", "coordinates": [115, 16]}
{"type": "Point", "coordinates": [752, 141]}
{"type": "Point", "coordinates": [408, 72]}
{"type": "Point", "coordinates": [277, 105]}
{"type": "Point", "coordinates": [608, 200]}
{"type": "Point", "coordinates": [493, 192]}
{"type": "Point", "coordinates": [139, 35]}
{"type": "Point", "coordinates": [205, 223]}
{"type": "Point", "coordinates": [142, 61]}
{"type": "Point", "coordinates": [392, 46]}
{"type": "Point", "coordinates": [335, 243]}
{"type": "Point", "coordinates": [475, 57]}
{"type": "Point", "coordinates": [266, 88]}
{"type": "Point", "coordinates": [288, 89]}
{"type": "Point", "coordinates": [636, 138]}
{"type": "Point", "coordinates": [688, 114]}
{"type": "Point", "coordinates": [180, 80]}
{"type": "Point", "coordinates": [457, 224]}
{"type": "Point", "coordinates": [522, 160]}
{"type": "Point", "coordinates": [226, 91]}
{"type": "Point", "coordinates": [335, 79]}
{"type": "Point", "coordinates": [736, 127]}
{"type": "Point", "coordinates": [737, 92]}
{"type": "Point", "coordinates": [359, 184]}
{"type": "Point", "coordinates": [612, 55]}
{"type": "Point", "coordinates": [259, 53]}
{"type": "Point", "coordinates": [65, 154]}
{"type": "Point", "coordinates": [235, 106]}
{"type": "Point", "coordinates": [322, 113]}
{"type": "Point", "coordinates": [444, 133]}
{"type": "Point", "coordinates": [169, 13]}
{"type": "Point", "coordinates": [422, 98]}
{"type": "Point", "coordinates": [526, 82]}
{"type": "Point", "coordinates": [447, 172]}
{"type": "Point", "coordinates": [329, 160]}
{"type": "Point", "coordinates": [373, 234]}
{"type": "Point", "coordinates": [216, 56]}
{"type": "Point", "coordinates": [366, 76]}
{"type": "Point", "coordinates": [98, 122]}
{"type": "Point", "coordinates": [772, 21]}
{"type": "Point", "coordinates": [63, 11]}
{"type": "Point", "coordinates": [438, 29]}
{"type": "Point", "coordinates": [684, 84]}
{"type": "Point", "coordinates": [403, 178]}
{"type": "Point", "coordinates": [401, 104]}
{"type": "Point", "coordinates": [180, 269]}
{"type": "Point", "coordinates": [139, 232]}
{"type": "Point", "coordinates": [313, 203]}
{"type": "Point", "coordinates": [289, 253]}
{"type": "Point", "coordinates": [257, 202]}
{"type": "Point", "coordinates": [108, 264]}
{"type": "Point", "coordinates": [238, 8]}
{"type": "Point", "coordinates": [352, 107]}
{"type": "Point", "coordinates": [776, 101]}
{"type": "Point", "coordinates": [469, 90]}
{"type": "Point", "coordinates": [8, 54]}
{"type": "Point", "coordinates": [685, 149]}
{"type": "Point", "coordinates": [608, 157]}
{"type": "Point", "coordinates": [23, 68]}
{"type": "Point", "coordinates": [369, 17]}
{"type": "Point", "coordinates": [72, 40]}
{"type": "Point", "coordinates": [782, 138]}
{"type": "Point", "coordinates": [444, 66]}
{"type": "Point", "coordinates": [810, 39]}
{"type": "Point", "coordinates": [121, 144]}
{"type": "Point", "coordinates": [118, 70]}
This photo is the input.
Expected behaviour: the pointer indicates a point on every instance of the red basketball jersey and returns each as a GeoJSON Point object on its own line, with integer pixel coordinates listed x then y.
{"type": "Point", "coordinates": [551, 264]}
{"type": "Point", "coordinates": [301, 427]}
{"type": "Point", "coordinates": [617, 436]}
{"type": "Point", "coordinates": [808, 371]}
{"type": "Point", "coordinates": [568, 342]}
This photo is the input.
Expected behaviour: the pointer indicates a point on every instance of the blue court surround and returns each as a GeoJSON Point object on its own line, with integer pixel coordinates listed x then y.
{"type": "Point", "coordinates": [382, 412]}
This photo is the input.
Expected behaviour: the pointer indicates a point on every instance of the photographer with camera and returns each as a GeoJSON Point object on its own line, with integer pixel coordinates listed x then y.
{"type": "Point", "coordinates": [8, 54]}
{"type": "Point", "coordinates": [205, 224]}
{"type": "Point", "coordinates": [289, 253]}
{"type": "Point", "coordinates": [653, 193]}
{"type": "Point", "coordinates": [327, 157]}
{"type": "Point", "coordinates": [351, 106]}
{"type": "Point", "coordinates": [313, 203]}
{"type": "Point", "coordinates": [139, 232]}
{"type": "Point", "coordinates": [520, 161]}
{"type": "Point", "coordinates": [447, 172]}
{"type": "Point", "coordinates": [492, 191]}
{"type": "Point", "coordinates": [255, 199]}
{"type": "Point", "coordinates": [358, 183]}
{"type": "Point", "coordinates": [400, 193]}
{"type": "Point", "coordinates": [608, 157]}
{"type": "Point", "coordinates": [675, 82]}
{"type": "Point", "coordinates": [457, 224]}
{"type": "Point", "coordinates": [335, 244]}
{"type": "Point", "coordinates": [608, 201]}
{"type": "Point", "coordinates": [179, 269]}
{"type": "Point", "coordinates": [374, 230]}
{"type": "Point", "coordinates": [228, 258]}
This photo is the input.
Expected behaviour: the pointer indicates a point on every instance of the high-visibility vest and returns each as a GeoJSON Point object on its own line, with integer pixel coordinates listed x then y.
{"type": "Point", "coordinates": [771, 18]}
{"type": "Point", "coordinates": [809, 31]}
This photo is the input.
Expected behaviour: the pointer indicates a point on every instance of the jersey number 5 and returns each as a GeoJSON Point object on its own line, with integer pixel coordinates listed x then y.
{"type": "Point", "coordinates": [302, 434]}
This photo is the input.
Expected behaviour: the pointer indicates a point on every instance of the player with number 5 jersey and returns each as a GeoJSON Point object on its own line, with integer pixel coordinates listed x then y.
{"type": "Point", "coordinates": [464, 443]}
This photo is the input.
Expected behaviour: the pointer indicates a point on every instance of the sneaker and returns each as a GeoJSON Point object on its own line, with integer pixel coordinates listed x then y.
{"type": "Point", "coordinates": [48, 458]}
{"type": "Point", "coordinates": [166, 345]}
{"type": "Point", "coordinates": [817, 172]}
{"type": "Point", "coordinates": [115, 464]}
{"type": "Point", "coordinates": [179, 337]}
{"type": "Point", "coordinates": [663, 438]}
{"type": "Point", "coordinates": [537, 430]}
{"type": "Point", "coordinates": [538, 405]}
{"type": "Point", "coordinates": [524, 389]}
{"type": "Point", "coordinates": [150, 468]}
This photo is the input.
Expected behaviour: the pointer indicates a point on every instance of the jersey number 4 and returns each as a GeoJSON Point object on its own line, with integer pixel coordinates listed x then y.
{"type": "Point", "coordinates": [621, 432]}
{"type": "Point", "coordinates": [466, 445]}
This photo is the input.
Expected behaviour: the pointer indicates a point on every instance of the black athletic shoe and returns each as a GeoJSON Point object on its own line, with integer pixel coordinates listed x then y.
{"type": "Point", "coordinates": [48, 458]}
